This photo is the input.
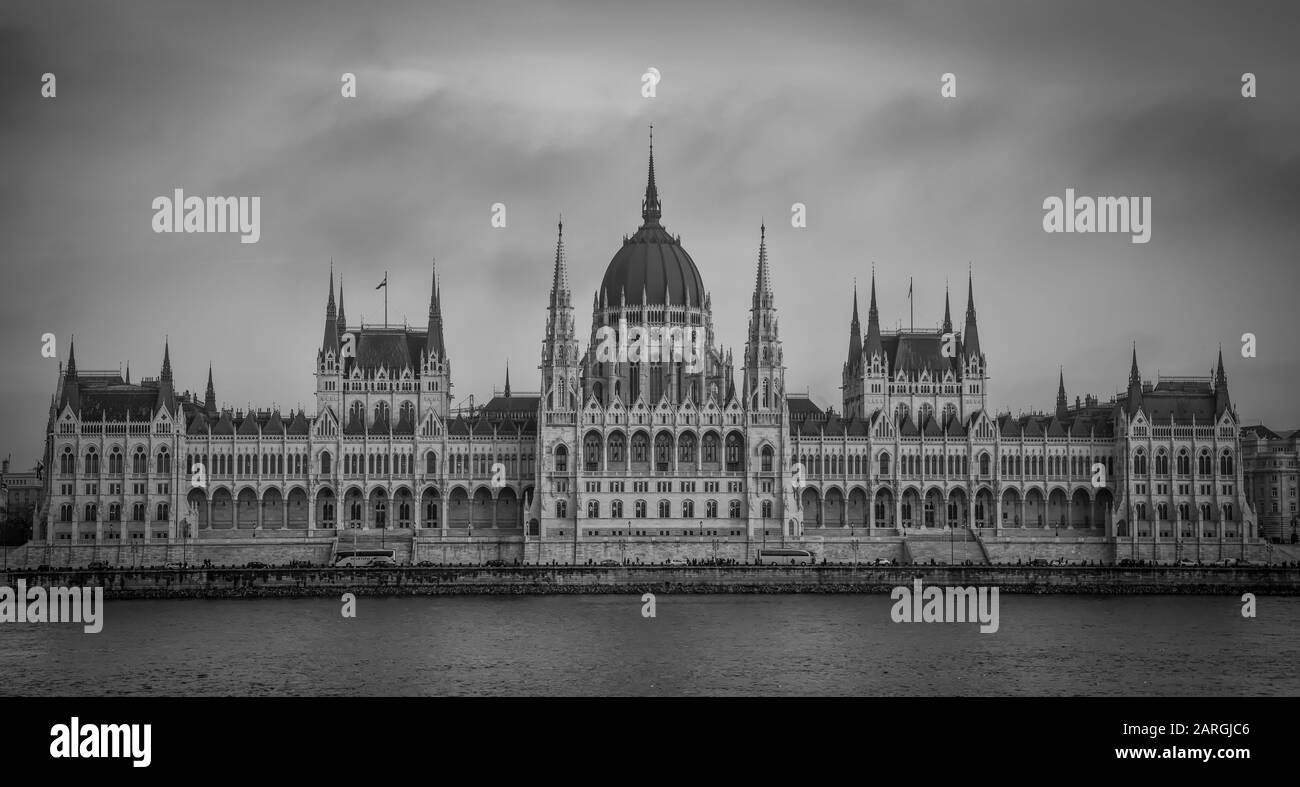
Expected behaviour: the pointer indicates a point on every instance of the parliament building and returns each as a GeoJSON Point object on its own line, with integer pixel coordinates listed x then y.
{"type": "Point", "coordinates": [645, 457]}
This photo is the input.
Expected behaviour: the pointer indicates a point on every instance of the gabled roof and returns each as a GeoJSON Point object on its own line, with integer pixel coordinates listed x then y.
{"type": "Point", "coordinates": [931, 428]}
{"type": "Point", "coordinates": [274, 425]}
{"type": "Point", "coordinates": [908, 427]}
{"type": "Point", "coordinates": [1055, 428]}
{"type": "Point", "coordinates": [1010, 426]}
{"type": "Point", "coordinates": [224, 425]}
{"type": "Point", "coordinates": [458, 427]}
{"type": "Point", "coordinates": [299, 425]}
{"type": "Point", "coordinates": [248, 426]}
{"type": "Point", "coordinates": [483, 428]}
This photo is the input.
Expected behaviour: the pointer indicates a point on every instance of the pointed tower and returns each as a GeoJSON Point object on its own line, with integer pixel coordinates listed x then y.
{"type": "Point", "coordinates": [947, 312]}
{"type": "Point", "coordinates": [435, 376]}
{"type": "Point", "coordinates": [210, 395]}
{"type": "Point", "coordinates": [764, 381]}
{"type": "Point", "coordinates": [507, 391]}
{"type": "Point", "coordinates": [561, 362]}
{"type": "Point", "coordinates": [1222, 401]}
{"type": "Point", "coordinates": [1134, 385]}
{"type": "Point", "coordinates": [1062, 404]}
{"type": "Point", "coordinates": [166, 385]}
{"type": "Point", "coordinates": [329, 359]}
{"type": "Point", "coordinates": [875, 364]}
{"type": "Point", "coordinates": [330, 342]}
{"type": "Point", "coordinates": [70, 393]}
{"type": "Point", "coordinates": [973, 368]}
{"type": "Point", "coordinates": [343, 317]}
{"type": "Point", "coordinates": [651, 208]}
{"type": "Point", "coordinates": [851, 383]}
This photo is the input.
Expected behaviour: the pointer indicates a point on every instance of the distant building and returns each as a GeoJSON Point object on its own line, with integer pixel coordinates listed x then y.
{"type": "Point", "coordinates": [1272, 465]}
{"type": "Point", "coordinates": [19, 492]}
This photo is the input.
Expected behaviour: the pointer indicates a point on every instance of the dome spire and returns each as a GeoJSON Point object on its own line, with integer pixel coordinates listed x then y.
{"type": "Point", "coordinates": [651, 209]}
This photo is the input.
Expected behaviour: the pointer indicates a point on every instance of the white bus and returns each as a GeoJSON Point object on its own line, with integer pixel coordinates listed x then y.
{"type": "Point", "coordinates": [785, 557]}
{"type": "Point", "coordinates": [355, 558]}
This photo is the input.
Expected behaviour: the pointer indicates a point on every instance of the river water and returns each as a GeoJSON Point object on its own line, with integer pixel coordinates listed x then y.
{"type": "Point", "coordinates": [695, 645]}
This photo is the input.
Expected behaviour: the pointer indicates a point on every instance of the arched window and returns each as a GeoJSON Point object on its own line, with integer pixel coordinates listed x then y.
{"type": "Point", "coordinates": [617, 444]}
{"type": "Point", "coordinates": [325, 462]}
{"type": "Point", "coordinates": [562, 508]}
{"type": "Point", "coordinates": [561, 459]}
{"type": "Point", "coordinates": [593, 509]}
{"type": "Point", "coordinates": [884, 464]}
{"type": "Point", "coordinates": [688, 509]}
{"type": "Point", "coordinates": [686, 449]}
{"type": "Point", "coordinates": [115, 461]}
{"type": "Point", "coordinates": [162, 512]}
{"type": "Point", "coordinates": [67, 464]}
{"type": "Point", "coordinates": [92, 461]}
{"type": "Point", "coordinates": [430, 462]}
{"type": "Point", "coordinates": [591, 451]}
{"type": "Point", "coordinates": [710, 447]}
{"type": "Point", "coordinates": [663, 450]}
{"type": "Point", "coordinates": [1225, 465]}
{"type": "Point", "coordinates": [91, 512]}
{"type": "Point", "coordinates": [639, 447]}
{"type": "Point", "coordinates": [616, 509]}
{"type": "Point", "coordinates": [1140, 462]}
{"type": "Point", "coordinates": [767, 458]}
{"type": "Point", "coordinates": [711, 509]}
{"type": "Point", "coordinates": [164, 463]}
{"type": "Point", "coordinates": [139, 464]}
{"type": "Point", "coordinates": [665, 509]}
{"type": "Point", "coordinates": [1184, 463]}
{"type": "Point", "coordinates": [733, 509]}
{"type": "Point", "coordinates": [734, 459]}
{"type": "Point", "coordinates": [1204, 465]}
{"type": "Point", "coordinates": [381, 412]}
{"type": "Point", "coordinates": [901, 412]}
{"type": "Point", "coordinates": [1162, 463]}
{"type": "Point", "coordinates": [766, 507]}
{"type": "Point", "coordinates": [984, 464]}
{"type": "Point", "coordinates": [639, 509]}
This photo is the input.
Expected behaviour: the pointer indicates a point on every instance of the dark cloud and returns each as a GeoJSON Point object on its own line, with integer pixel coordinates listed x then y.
{"type": "Point", "coordinates": [536, 105]}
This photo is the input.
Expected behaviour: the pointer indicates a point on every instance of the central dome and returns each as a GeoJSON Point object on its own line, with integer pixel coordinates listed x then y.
{"type": "Point", "coordinates": [652, 264]}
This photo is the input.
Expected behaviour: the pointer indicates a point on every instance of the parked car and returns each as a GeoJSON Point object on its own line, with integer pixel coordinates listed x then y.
{"type": "Point", "coordinates": [44, 567]}
{"type": "Point", "coordinates": [255, 564]}
{"type": "Point", "coordinates": [425, 563]}
{"type": "Point", "coordinates": [1244, 562]}
{"type": "Point", "coordinates": [1186, 562]}
{"type": "Point", "coordinates": [1128, 561]}
{"type": "Point", "coordinates": [382, 560]}
{"type": "Point", "coordinates": [1060, 561]}
{"type": "Point", "coordinates": [1227, 561]}
{"type": "Point", "coordinates": [677, 561]}
{"type": "Point", "coordinates": [173, 565]}
{"type": "Point", "coordinates": [98, 565]}
{"type": "Point", "coordinates": [495, 563]}
{"type": "Point", "coordinates": [610, 563]}
{"type": "Point", "coordinates": [882, 561]}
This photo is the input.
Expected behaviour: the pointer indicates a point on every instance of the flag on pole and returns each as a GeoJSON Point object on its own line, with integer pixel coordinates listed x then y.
{"type": "Point", "coordinates": [383, 283]}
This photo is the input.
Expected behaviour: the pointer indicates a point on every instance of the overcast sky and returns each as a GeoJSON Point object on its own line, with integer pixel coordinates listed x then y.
{"type": "Point", "coordinates": [538, 105]}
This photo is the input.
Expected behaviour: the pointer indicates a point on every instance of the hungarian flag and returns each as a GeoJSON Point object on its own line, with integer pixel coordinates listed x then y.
{"type": "Point", "coordinates": [383, 283]}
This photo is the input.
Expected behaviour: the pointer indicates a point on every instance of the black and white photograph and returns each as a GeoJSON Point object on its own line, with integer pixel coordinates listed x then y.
{"type": "Point", "coordinates": [561, 352]}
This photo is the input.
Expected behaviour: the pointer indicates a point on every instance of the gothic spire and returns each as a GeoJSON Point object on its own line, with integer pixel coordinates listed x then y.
{"type": "Point", "coordinates": [343, 318]}
{"type": "Point", "coordinates": [166, 389]}
{"type": "Point", "coordinates": [331, 339]}
{"type": "Point", "coordinates": [1134, 384]}
{"type": "Point", "coordinates": [210, 395]}
{"type": "Point", "coordinates": [435, 344]}
{"type": "Point", "coordinates": [763, 276]}
{"type": "Point", "coordinates": [970, 337]}
{"type": "Point", "coordinates": [947, 312]}
{"type": "Point", "coordinates": [874, 346]}
{"type": "Point", "coordinates": [651, 209]}
{"type": "Point", "coordinates": [1221, 399]}
{"type": "Point", "coordinates": [71, 386]}
{"type": "Point", "coordinates": [560, 277]}
{"type": "Point", "coordinates": [1062, 406]}
{"type": "Point", "coordinates": [507, 379]}
{"type": "Point", "coordinates": [855, 335]}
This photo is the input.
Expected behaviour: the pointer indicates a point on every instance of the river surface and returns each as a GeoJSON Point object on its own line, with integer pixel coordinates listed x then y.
{"type": "Point", "coordinates": [695, 645]}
